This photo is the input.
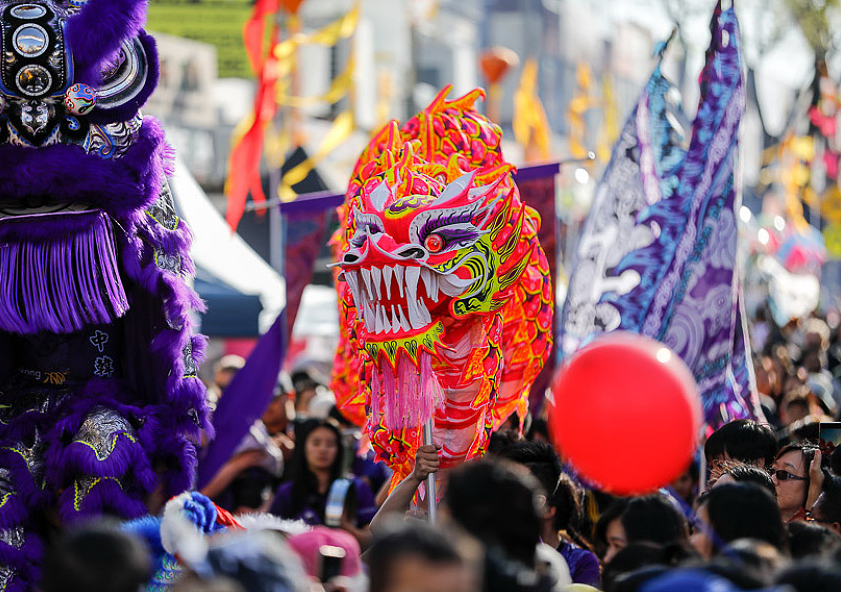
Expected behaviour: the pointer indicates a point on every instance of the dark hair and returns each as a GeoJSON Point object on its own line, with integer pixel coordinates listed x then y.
{"type": "Point", "coordinates": [748, 563]}
{"type": "Point", "coordinates": [744, 440]}
{"type": "Point", "coordinates": [743, 510]}
{"type": "Point", "coordinates": [190, 582]}
{"type": "Point", "coordinates": [497, 503]}
{"type": "Point", "coordinates": [656, 519]}
{"type": "Point", "coordinates": [812, 576]}
{"type": "Point", "coordinates": [835, 461]}
{"type": "Point", "coordinates": [640, 559]}
{"type": "Point", "coordinates": [98, 556]}
{"type": "Point", "coordinates": [304, 481]}
{"type": "Point", "coordinates": [807, 539]}
{"type": "Point", "coordinates": [561, 492]}
{"type": "Point", "coordinates": [830, 499]}
{"type": "Point", "coordinates": [807, 449]}
{"type": "Point", "coordinates": [407, 540]}
{"type": "Point", "coordinates": [611, 513]}
{"type": "Point", "coordinates": [539, 427]}
{"type": "Point", "coordinates": [742, 473]}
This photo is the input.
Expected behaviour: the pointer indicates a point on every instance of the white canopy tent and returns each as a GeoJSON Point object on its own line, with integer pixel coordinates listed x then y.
{"type": "Point", "coordinates": [224, 254]}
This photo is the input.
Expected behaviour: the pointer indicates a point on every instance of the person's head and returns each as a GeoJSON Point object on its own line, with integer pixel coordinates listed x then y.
{"type": "Point", "coordinates": [734, 511]}
{"type": "Point", "coordinates": [811, 539]}
{"type": "Point", "coordinates": [744, 440]}
{"type": "Point", "coordinates": [98, 556]}
{"type": "Point", "coordinates": [740, 473]}
{"type": "Point", "coordinates": [748, 563]}
{"type": "Point", "coordinates": [191, 582]}
{"type": "Point", "coordinates": [835, 461]}
{"type": "Point", "coordinates": [321, 445]}
{"type": "Point", "coordinates": [415, 557]}
{"type": "Point", "coordinates": [259, 560]}
{"type": "Point", "coordinates": [497, 502]}
{"type": "Point", "coordinates": [539, 431]}
{"type": "Point", "coordinates": [656, 519]}
{"type": "Point", "coordinates": [305, 391]}
{"type": "Point", "coordinates": [827, 509]}
{"type": "Point", "coordinates": [562, 507]}
{"type": "Point", "coordinates": [320, 545]}
{"type": "Point", "coordinates": [686, 484]}
{"type": "Point", "coordinates": [225, 369]}
{"type": "Point", "coordinates": [275, 416]}
{"type": "Point", "coordinates": [795, 407]}
{"type": "Point", "coordinates": [318, 451]}
{"type": "Point", "coordinates": [812, 577]}
{"type": "Point", "coordinates": [790, 474]}
{"type": "Point", "coordinates": [641, 559]}
{"type": "Point", "coordinates": [609, 535]}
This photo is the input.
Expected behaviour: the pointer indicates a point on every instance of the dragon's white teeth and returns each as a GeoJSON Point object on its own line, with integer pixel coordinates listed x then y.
{"type": "Point", "coordinates": [366, 276]}
{"type": "Point", "coordinates": [393, 320]}
{"type": "Point", "coordinates": [376, 277]}
{"type": "Point", "coordinates": [386, 320]}
{"type": "Point", "coordinates": [404, 322]}
{"type": "Point", "coordinates": [430, 280]}
{"type": "Point", "coordinates": [415, 317]}
{"type": "Point", "coordinates": [378, 320]}
{"type": "Point", "coordinates": [387, 271]}
{"type": "Point", "coordinates": [412, 279]}
{"type": "Point", "coordinates": [426, 318]}
{"type": "Point", "coordinates": [369, 317]}
{"type": "Point", "coordinates": [352, 280]}
{"type": "Point", "coordinates": [398, 274]}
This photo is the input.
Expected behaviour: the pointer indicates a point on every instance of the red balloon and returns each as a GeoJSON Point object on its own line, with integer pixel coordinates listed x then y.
{"type": "Point", "coordinates": [627, 413]}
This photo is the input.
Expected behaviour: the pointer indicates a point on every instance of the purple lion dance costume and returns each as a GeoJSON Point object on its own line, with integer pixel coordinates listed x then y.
{"type": "Point", "coordinates": [100, 403]}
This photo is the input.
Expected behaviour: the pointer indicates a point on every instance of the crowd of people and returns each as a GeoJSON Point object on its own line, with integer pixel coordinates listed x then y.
{"type": "Point", "coordinates": [758, 509]}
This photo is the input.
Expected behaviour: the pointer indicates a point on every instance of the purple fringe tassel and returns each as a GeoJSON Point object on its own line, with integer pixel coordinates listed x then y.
{"type": "Point", "coordinates": [62, 283]}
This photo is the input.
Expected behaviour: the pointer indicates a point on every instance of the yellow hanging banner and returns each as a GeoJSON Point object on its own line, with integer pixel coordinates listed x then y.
{"type": "Point", "coordinates": [531, 127]}
{"type": "Point", "coordinates": [329, 35]}
{"type": "Point", "coordinates": [338, 89]}
{"type": "Point", "coordinates": [340, 130]}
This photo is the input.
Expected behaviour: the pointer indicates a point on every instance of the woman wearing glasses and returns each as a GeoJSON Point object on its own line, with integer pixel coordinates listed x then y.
{"type": "Point", "coordinates": [790, 474]}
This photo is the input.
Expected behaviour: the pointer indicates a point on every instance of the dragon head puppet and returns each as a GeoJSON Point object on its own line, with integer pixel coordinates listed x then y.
{"type": "Point", "coordinates": [445, 289]}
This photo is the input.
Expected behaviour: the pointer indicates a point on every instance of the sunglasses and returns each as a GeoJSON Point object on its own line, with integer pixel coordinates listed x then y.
{"type": "Point", "coordinates": [782, 475]}
{"type": "Point", "coordinates": [811, 518]}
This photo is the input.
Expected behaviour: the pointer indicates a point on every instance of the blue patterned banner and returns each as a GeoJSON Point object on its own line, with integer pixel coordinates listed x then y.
{"type": "Point", "coordinates": [658, 252]}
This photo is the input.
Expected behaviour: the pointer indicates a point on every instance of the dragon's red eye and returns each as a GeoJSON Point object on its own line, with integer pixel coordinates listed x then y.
{"type": "Point", "coordinates": [433, 243]}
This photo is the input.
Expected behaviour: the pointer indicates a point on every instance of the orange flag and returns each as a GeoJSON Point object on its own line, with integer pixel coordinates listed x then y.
{"type": "Point", "coordinates": [244, 173]}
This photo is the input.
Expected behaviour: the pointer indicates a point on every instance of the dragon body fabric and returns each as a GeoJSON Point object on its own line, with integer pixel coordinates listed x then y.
{"type": "Point", "coordinates": [446, 300]}
{"type": "Point", "coordinates": [99, 397]}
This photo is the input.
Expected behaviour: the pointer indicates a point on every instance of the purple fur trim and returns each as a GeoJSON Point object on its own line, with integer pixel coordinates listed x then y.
{"type": "Point", "coordinates": [95, 34]}
{"type": "Point", "coordinates": [66, 173]}
{"type": "Point", "coordinates": [26, 561]}
{"type": "Point", "coordinates": [106, 496]}
{"type": "Point", "coordinates": [183, 453]}
{"type": "Point", "coordinates": [14, 511]}
{"type": "Point", "coordinates": [66, 458]}
{"type": "Point", "coordinates": [27, 490]}
{"type": "Point", "coordinates": [127, 110]}
{"type": "Point", "coordinates": [126, 458]}
{"type": "Point", "coordinates": [61, 283]}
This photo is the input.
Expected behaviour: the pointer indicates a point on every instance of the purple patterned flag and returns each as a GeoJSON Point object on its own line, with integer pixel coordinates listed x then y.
{"type": "Point", "coordinates": [244, 401]}
{"type": "Point", "coordinates": [641, 172]}
{"type": "Point", "coordinates": [676, 278]}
